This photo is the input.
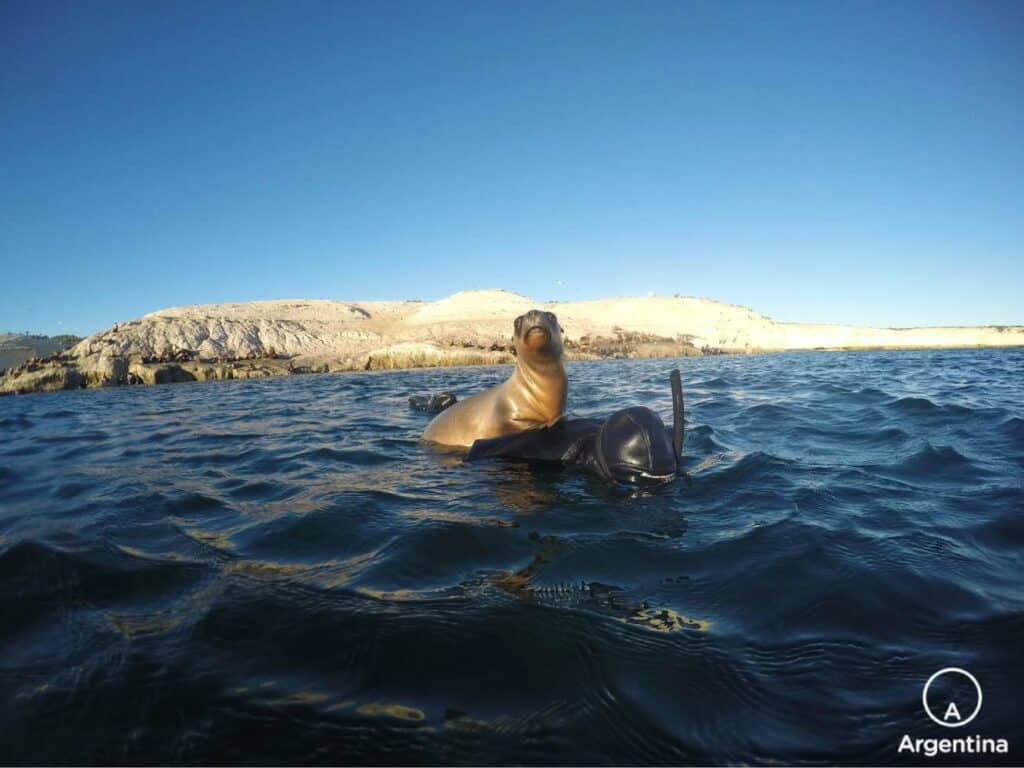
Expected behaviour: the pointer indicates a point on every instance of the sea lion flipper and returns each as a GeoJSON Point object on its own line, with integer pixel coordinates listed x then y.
{"type": "Point", "coordinates": [432, 403]}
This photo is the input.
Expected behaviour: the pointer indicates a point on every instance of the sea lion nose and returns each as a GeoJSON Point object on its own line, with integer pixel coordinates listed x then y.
{"type": "Point", "coordinates": [537, 336]}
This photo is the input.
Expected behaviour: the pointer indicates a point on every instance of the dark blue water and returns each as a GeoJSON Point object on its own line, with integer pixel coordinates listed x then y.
{"type": "Point", "coordinates": [278, 571]}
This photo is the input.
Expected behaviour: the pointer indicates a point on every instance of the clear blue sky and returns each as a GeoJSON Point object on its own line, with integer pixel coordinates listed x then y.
{"type": "Point", "coordinates": [857, 162]}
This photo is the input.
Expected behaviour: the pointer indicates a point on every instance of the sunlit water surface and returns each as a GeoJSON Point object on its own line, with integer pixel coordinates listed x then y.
{"type": "Point", "coordinates": [278, 571]}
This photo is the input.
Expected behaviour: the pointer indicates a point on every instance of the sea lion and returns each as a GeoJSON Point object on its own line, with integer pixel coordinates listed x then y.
{"type": "Point", "coordinates": [532, 397]}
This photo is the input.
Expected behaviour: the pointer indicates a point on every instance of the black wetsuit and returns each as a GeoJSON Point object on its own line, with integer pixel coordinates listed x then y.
{"type": "Point", "coordinates": [631, 446]}
{"type": "Point", "coordinates": [562, 442]}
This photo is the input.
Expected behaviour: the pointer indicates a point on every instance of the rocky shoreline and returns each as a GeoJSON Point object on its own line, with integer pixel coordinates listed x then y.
{"type": "Point", "coordinates": [279, 338]}
{"type": "Point", "coordinates": [66, 372]}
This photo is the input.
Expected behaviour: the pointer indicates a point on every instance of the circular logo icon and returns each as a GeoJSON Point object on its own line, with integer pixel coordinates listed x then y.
{"type": "Point", "coordinates": [952, 717]}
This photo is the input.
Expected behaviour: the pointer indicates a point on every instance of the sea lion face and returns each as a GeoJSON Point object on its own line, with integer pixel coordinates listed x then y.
{"type": "Point", "coordinates": [538, 336]}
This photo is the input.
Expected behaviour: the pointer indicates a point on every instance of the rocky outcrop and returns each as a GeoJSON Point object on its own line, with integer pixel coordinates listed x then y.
{"type": "Point", "coordinates": [273, 338]}
{"type": "Point", "coordinates": [47, 375]}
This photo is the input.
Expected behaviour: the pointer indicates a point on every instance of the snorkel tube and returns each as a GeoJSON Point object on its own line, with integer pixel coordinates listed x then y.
{"type": "Point", "coordinates": [677, 415]}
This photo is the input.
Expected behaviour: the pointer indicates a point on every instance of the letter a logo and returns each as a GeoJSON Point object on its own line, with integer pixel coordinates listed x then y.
{"type": "Point", "coordinates": [952, 717]}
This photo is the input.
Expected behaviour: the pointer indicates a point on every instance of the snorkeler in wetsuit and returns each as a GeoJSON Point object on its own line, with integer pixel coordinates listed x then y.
{"type": "Point", "coordinates": [631, 447]}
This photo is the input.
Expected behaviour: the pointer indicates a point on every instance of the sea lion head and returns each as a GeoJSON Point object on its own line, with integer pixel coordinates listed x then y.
{"type": "Point", "coordinates": [537, 337]}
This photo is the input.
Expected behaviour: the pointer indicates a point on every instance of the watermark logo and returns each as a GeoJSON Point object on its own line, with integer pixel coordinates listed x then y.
{"type": "Point", "coordinates": [952, 716]}
{"type": "Point", "coordinates": [952, 698]}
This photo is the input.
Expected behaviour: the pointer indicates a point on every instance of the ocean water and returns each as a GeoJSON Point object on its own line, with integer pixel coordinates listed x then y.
{"type": "Point", "coordinates": [278, 571]}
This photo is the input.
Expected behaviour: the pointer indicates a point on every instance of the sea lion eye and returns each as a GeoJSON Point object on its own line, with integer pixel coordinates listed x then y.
{"type": "Point", "coordinates": [519, 323]}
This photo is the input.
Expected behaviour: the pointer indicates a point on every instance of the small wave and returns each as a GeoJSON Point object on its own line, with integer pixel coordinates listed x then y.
{"type": "Point", "coordinates": [208, 437]}
{"type": "Point", "coordinates": [1004, 533]}
{"type": "Point", "coordinates": [931, 463]}
{"type": "Point", "coordinates": [357, 457]}
{"type": "Point", "coordinates": [1013, 428]}
{"type": "Point", "coordinates": [914, 405]}
{"type": "Point", "coordinates": [922, 406]}
{"type": "Point", "coordinates": [187, 503]}
{"type": "Point", "coordinates": [17, 421]}
{"type": "Point", "coordinates": [848, 580]}
{"type": "Point", "coordinates": [883, 437]}
{"type": "Point", "coordinates": [219, 458]}
{"type": "Point", "coordinates": [749, 467]}
{"type": "Point", "coordinates": [61, 413]}
{"type": "Point", "coordinates": [700, 441]}
{"type": "Point", "coordinates": [70, 490]}
{"type": "Point", "coordinates": [768, 412]}
{"type": "Point", "coordinates": [263, 490]}
{"type": "Point", "coordinates": [870, 395]}
{"type": "Point", "coordinates": [718, 382]}
{"type": "Point", "coordinates": [325, 532]}
{"type": "Point", "coordinates": [93, 436]}
{"type": "Point", "coordinates": [38, 578]}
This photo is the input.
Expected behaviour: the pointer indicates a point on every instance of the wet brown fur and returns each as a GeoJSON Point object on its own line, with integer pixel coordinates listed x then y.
{"type": "Point", "coordinates": [532, 397]}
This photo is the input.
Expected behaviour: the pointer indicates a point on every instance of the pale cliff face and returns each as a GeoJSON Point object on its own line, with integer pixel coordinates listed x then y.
{"type": "Point", "coordinates": [466, 327]}
{"type": "Point", "coordinates": [481, 318]}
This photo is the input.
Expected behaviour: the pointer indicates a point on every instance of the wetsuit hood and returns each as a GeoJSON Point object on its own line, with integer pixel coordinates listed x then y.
{"type": "Point", "coordinates": [634, 447]}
